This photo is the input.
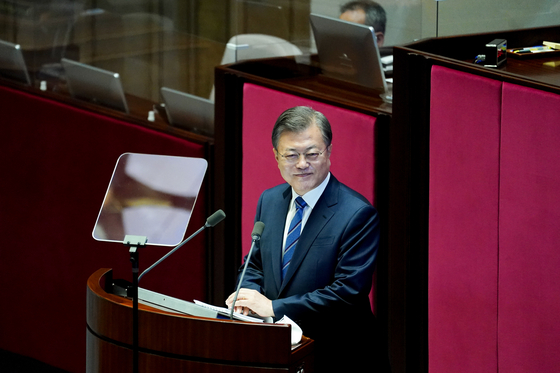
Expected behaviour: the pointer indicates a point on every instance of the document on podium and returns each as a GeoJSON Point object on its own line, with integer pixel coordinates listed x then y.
{"type": "Point", "coordinates": [297, 333]}
{"type": "Point", "coordinates": [238, 316]}
{"type": "Point", "coordinates": [198, 308]}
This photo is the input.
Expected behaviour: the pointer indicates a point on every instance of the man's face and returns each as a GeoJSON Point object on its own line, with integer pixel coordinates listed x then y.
{"type": "Point", "coordinates": [359, 16]}
{"type": "Point", "coordinates": [303, 174]}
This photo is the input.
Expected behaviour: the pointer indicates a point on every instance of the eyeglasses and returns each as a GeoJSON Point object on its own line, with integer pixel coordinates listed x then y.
{"type": "Point", "coordinates": [294, 157]}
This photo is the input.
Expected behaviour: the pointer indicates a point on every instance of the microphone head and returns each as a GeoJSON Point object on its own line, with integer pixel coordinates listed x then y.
{"type": "Point", "coordinates": [215, 218]}
{"type": "Point", "coordinates": [257, 230]}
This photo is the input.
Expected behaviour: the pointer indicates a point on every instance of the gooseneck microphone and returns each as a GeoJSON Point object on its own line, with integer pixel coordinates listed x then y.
{"type": "Point", "coordinates": [255, 235]}
{"type": "Point", "coordinates": [212, 220]}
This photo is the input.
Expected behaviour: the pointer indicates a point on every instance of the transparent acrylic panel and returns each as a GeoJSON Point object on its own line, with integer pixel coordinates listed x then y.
{"type": "Point", "coordinates": [479, 16]}
{"type": "Point", "coordinates": [152, 196]}
{"type": "Point", "coordinates": [269, 28]}
{"type": "Point", "coordinates": [177, 43]}
{"type": "Point", "coordinates": [43, 30]}
{"type": "Point", "coordinates": [410, 20]}
{"type": "Point", "coordinates": [149, 43]}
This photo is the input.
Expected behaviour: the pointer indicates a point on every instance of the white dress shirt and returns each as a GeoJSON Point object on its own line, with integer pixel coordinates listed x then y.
{"type": "Point", "coordinates": [311, 199]}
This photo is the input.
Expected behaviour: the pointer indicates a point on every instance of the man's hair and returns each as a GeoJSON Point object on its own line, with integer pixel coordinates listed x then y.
{"type": "Point", "coordinates": [298, 119]}
{"type": "Point", "coordinates": [375, 14]}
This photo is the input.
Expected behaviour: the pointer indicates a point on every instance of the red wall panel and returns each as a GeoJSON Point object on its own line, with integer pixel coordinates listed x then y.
{"type": "Point", "coordinates": [463, 222]}
{"type": "Point", "coordinates": [529, 296]}
{"type": "Point", "coordinates": [494, 226]}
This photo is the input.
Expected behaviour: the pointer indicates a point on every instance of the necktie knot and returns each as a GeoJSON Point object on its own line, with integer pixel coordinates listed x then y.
{"type": "Point", "coordinates": [300, 203]}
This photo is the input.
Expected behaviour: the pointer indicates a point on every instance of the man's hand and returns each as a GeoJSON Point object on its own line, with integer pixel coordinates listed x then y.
{"type": "Point", "coordinates": [251, 301]}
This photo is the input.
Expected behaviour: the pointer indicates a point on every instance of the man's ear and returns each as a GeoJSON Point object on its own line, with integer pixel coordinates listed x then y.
{"type": "Point", "coordinates": [380, 38]}
{"type": "Point", "coordinates": [329, 150]}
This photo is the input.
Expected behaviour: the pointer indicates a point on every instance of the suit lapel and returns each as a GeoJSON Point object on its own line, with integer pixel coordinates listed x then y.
{"type": "Point", "coordinates": [321, 214]}
{"type": "Point", "coordinates": [277, 224]}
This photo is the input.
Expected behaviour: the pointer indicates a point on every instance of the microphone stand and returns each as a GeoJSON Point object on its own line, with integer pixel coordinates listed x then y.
{"type": "Point", "coordinates": [171, 252]}
{"type": "Point", "coordinates": [256, 235]}
{"type": "Point", "coordinates": [214, 219]}
{"type": "Point", "coordinates": [134, 242]}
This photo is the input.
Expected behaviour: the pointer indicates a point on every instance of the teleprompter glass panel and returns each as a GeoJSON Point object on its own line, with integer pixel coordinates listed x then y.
{"type": "Point", "coordinates": [152, 196]}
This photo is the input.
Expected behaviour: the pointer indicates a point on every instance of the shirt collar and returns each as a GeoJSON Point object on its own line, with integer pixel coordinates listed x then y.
{"type": "Point", "coordinates": [313, 195]}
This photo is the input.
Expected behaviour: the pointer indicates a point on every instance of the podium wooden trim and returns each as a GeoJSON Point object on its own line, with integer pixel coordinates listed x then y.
{"type": "Point", "coordinates": [172, 342]}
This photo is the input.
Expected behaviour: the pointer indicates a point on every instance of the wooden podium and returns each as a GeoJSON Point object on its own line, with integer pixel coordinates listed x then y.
{"type": "Point", "coordinates": [172, 342]}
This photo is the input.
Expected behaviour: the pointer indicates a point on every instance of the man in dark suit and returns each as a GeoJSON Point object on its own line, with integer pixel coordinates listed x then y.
{"type": "Point", "coordinates": [318, 270]}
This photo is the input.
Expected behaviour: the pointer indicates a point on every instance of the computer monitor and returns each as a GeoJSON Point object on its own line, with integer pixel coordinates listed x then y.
{"type": "Point", "coordinates": [93, 84]}
{"type": "Point", "coordinates": [189, 111]}
{"type": "Point", "coordinates": [12, 63]}
{"type": "Point", "coordinates": [348, 51]}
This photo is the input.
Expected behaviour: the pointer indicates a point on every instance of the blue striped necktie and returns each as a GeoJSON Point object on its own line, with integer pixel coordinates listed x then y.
{"type": "Point", "coordinates": [293, 235]}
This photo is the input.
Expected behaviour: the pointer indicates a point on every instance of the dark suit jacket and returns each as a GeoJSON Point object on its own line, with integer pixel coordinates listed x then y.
{"type": "Point", "coordinates": [327, 286]}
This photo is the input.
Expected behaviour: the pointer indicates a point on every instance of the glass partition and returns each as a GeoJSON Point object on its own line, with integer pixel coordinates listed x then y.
{"type": "Point", "coordinates": [269, 28]}
{"type": "Point", "coordinates": [403, 17]}
{"type": "Point", "coordinates": [456, 17]}
{"type": "Point", "coordinates": [149, 43]}
{"type": "Point", "coordinates": [177, 43]}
